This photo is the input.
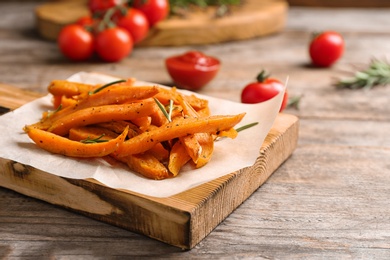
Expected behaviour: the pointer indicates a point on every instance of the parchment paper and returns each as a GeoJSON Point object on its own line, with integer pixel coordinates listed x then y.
{"type": "Point", "coordinates": [229, 154]}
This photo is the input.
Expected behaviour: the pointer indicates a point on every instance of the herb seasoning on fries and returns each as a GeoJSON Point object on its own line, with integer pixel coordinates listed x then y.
{"type": "Point", "coordinates": [154, 130]}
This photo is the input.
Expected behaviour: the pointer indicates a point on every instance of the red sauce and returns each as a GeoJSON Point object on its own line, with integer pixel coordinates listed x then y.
{"type": "Point", "coordinates": [192, 70]}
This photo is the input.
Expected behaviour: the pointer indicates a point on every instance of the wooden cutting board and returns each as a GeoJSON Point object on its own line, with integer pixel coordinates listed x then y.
{"type": "Point", "coordinates": [253, 18]}
{"type": "Point", "coordinates": [182, 220]}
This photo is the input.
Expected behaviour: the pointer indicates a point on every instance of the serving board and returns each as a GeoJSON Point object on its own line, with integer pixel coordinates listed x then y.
{"type": "Point", "coordinates": [181, 220]}
{"type": "Point", "coordinates": [253, 18]}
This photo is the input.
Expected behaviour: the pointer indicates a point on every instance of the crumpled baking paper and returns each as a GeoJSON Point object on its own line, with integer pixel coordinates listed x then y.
{"type": "Point", "coordinates": [229, 154]}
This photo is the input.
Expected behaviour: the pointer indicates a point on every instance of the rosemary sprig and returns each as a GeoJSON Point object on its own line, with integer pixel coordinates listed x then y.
{"type": "Point", "coordinates": [246, 126]}
{"type": "Point", "coordinates": [50, 113]}
{"type": "Point", "coordinates": [170, 110]}
{"type": "Point", "coordinates": [239, 129]}
{"type": "Point", "coordinates": [105, 86]}
{"type": "Point", "coordinates": [168, 115]}
{"type": "Point", "coordinates": [180, 6]}
{"type": "Point", "coordinates": [377, 73]}
{"type": "Point", "coordinates": [94, 141]}
{"type": "Point", "coordinates": [294, 102]}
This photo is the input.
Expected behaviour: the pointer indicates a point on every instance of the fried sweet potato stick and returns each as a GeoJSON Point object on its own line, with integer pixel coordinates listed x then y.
{"type": "Point", "coordinates": [177, 128]}
{"type": "Point", "coordinates": [165, 95]}
{"type": "Point", "coordinates": [115, 94]}
{"type": "Point", "coordinates": [91, 132]}
{"type": "Point", "coordinates": [178, 157]}
{"type": "Point", "coordinates": [61, 145]}
{"type": "Point", "coordinates": [68, 88]}
{"type": "Point", "coordinates": [206, 141]}
{"type": "Point", "coordinates": [147, 165]}
{"type": "Point", "coordinates": [108, 96]}
{"type": "Point", "coordinates": [190, 142]}
{"type": "Point", "coordinates": [94, 115]}
{"type": "Point", "coordinates": [119, 126]}
{"type": "Point", "coordinates": [201, 143]}
{"type": "Point", "coordinates": [142, 122]}
{"type": "Point", "coordinates": [192, 146]}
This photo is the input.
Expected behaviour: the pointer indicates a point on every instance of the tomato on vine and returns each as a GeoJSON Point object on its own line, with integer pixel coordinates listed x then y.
{"type": "Point", "coordinates": [113, 44]}
{"type": "Point", "coordinates": [263, 89]}
{"type": "Point", "coordinates": [154, 10]}
{"type": "Point", "coordinates": [102, 5]}
{"type": "Point", "coordinates": [85, 21]}
{"type": "Point", "coordinates": [326, 48]}
{"type": "Point", "coordinates": [75, 42]}
{"type": "Point", "coordinates": [136, 23]}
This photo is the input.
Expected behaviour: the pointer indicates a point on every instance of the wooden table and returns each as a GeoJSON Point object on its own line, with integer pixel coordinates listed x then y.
{"type": "Point", "coordinates": [330, 199]}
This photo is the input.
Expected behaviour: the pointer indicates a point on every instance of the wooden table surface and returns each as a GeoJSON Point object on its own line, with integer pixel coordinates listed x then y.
{"type": "Point", "coordinates": [329, 200]}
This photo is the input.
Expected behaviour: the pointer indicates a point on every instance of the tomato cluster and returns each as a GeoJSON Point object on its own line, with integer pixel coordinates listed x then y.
{"type": "Point", "coordinates": [112, 28]}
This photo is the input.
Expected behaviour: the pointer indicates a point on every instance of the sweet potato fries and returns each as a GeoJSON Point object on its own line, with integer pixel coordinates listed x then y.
{"type": "Point", "coordinates": [154, 130]}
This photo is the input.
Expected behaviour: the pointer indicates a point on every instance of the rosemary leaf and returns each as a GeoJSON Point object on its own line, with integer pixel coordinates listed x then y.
{"type": "Point", "coordinates": [105, 86]}
{"type": "Point", "coordinates": [170, 109]}
{"type": "Point", "coordinates": [238, 130]}
{"type": "Point", "coordinates": [55, 111]}
{"type": "Point", "coordinates": [222, 5]}
{"type": "Point", "coordinates": [94, 141]}
{"type": "Point", "coordinates": [246, 126]}
{"type": "Point", "coordinates": [377, 74]}
{"type": "Point", "coordinates": [163, 110]}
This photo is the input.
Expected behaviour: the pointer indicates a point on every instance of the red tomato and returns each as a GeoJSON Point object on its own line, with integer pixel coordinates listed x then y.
{"type": "Point", "coordinates": [326, 48]}
{"type": "Point", "coordinates": [192, 70]}
{"type": "Point", "coordinates": [113, 44]}
{"type": "Point", "coordinates": [154, 10]}
{"type": "Point", "coordinates": [136, 23]}
{"type": "Point", "coordinates": [85, 21]}
{"type": "Point", "coordinates": [262, 90]}
{"type": "Point", "coordinates": [101, 5]}
{"type": "Point", "coordinates": [75, 42]}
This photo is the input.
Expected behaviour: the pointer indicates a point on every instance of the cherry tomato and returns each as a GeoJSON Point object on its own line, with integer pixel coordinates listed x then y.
{"type": "Point", "coordinates": [262, 90]}
{"type": "Point", "coordinates": [101, 5]}
{"type": "Point", "coordinates": [326, 48]}
{"type": "Point", "coordinates": [154, 10]}
{"type": "Point", "coordinates": [85, 21]}
{"type": "Point", "coordinates": [192, 70]}
{"type": "Point", "coordinates": [113, 44]}
{"type": "Point", "coordinates": [136, 23]}
{"type": "Point", "coordinates": [75, 42]}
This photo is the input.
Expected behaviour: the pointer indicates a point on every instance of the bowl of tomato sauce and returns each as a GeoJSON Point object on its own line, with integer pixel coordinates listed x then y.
{"type": "Point", "coordinates": [192, 70]}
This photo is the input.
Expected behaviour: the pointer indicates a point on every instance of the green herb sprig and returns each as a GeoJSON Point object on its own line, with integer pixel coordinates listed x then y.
{"type": "Point", "coordinates": [246, 126]}
{"type": "Point", "coordinates": [377, 74]}
{"type": "Point", "coordinates": [168, 114]}
{"type": "Point", "coordinates": [95, 140]}
{"type": "Point", "coordinates": [105, 86]}
{"type": "Point", "coordinates": [178, 6]}
{"type": "Point", "coordinates": [51, 113]}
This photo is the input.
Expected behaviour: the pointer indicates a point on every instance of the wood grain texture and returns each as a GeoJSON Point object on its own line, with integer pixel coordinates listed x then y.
{"type": "Point", "coordinates": [254, 18]}
{"type": "Point", "coordinates": [329, 200]}
{"type": "Point", "coordinates": [181, 220]}
{"type": "Point", "coordinates": [12, 97]}
{"type": "Point", "coordinates": [51, 17]}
